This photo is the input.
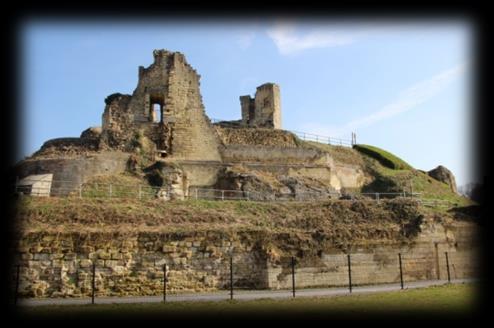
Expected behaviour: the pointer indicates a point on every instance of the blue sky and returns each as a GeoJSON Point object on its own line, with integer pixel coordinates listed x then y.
{"type": "Point", "coordinates": [404, 87]}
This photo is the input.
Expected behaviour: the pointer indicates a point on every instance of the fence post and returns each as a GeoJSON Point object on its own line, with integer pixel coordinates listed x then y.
{"type": "Point", "coordinates": [293, 276]}
{"type": "Point", "coordinates": [93, 283]}
{"type": "Point", "coordinates": [231, 277]}
{"type": "Point", "coordinates": [16, 183]}
{"type": "Point", "coordinates": [222, 195]}
{"type": "Point", "coordinates": [447, 266]}
{"type": "Point", "coordinates": [196, 193]}
{"type": "Point", "coordinates": [349, 273]}
{"type": "Point", "coordinates": [401, 271]}
{"type": "Point", "coordinates": [164, 283]}
{"type": "Point", "coordinates": [248, 196]}
{"type": "Point", "coordinates": [17, 277]}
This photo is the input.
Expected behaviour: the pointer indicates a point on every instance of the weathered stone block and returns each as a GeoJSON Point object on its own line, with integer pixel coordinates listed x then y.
{"type": "Point", "coordinates": [56, 256]}
{"type": "Point", "coordinates": [70, 256]}
{"type": "Point", "coordinates": [116, 256]}
{"type": "Point", "coordinates": [27, 256]}
{"type": "Point", "coordinates": [85, 263]}
{"type": "Point", "coordinates": [111, 263]}
{"type": "Point", "coordinates": [104, 255]}
{"type": "Point", "coordinates": [42, 256]}
{"type": "Point", "coordinates": [186, 254]}
{"type": "Point", "coordinates": [57, 263]}
{"type": "Point", "coordinates": [169, 249]}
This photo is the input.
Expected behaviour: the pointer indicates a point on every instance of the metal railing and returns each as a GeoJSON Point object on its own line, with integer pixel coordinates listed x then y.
{"type": "Point", "coordinates": [219, 194]}
{"type": "Point", "coordinates": [381, 195]}
{"type": "Point", "coordinates": [437, 202]}
{"type": "Point", "coordinates": [66, 188]}
{"type": "Point", "coordinates": [323, 139]}
{"type": "Point", "coordinates": [311, 137]}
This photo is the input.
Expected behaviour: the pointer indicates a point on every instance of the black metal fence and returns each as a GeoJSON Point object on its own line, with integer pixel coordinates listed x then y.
{"type": "Point", "coordinates": [294, 270]}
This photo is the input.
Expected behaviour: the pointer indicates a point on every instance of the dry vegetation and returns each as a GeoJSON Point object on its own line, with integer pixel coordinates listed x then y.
{"type": "Point", "coordinates": [333, 222]}
{"type": "Point", "coordinates": [340, 154]}
{"type": "Point", "coordinates": [256, 137]}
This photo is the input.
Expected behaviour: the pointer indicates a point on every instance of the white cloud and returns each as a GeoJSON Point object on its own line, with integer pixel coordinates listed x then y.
{"type": "Point", "coordinates": [245, 39]}
{"type": "Point", "coordinates": [289, 39]}
{"type": "Point", "coordinates": [408, 99]}
{"type": "Point", "coordinates": [289, 42]}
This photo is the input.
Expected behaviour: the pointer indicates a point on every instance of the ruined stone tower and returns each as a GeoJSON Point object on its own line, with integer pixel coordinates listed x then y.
{"type": "Point", "coordinates": [162, 132]}
{"type": "Point", "coordinates": [167, 108]}
{"type": "Point", "coordinates": [264, 110]}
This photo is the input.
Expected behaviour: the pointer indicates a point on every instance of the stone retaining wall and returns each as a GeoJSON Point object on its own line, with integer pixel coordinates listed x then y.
{"type": "Point", "coordinates": [69, 173]}
{"type": "Point", "coordinates": [55, 265]}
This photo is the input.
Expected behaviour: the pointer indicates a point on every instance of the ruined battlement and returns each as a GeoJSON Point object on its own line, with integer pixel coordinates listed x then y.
{"type": "Point", "coordinates": [264, 110]}
{"type": "Point", "coordinates": [164, 121]}
{"type": "Point", "coordinates": [166, 107]}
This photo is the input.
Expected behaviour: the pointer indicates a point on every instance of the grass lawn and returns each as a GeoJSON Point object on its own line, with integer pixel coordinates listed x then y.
{"type": "Point", "coordinates": [448, 300]}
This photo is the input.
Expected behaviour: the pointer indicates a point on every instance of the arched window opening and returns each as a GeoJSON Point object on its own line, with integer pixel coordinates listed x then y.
{"type": "Point", "coordinates": [157, 113]}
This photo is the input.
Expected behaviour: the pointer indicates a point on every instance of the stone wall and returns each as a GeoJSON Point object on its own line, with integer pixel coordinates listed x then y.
{"type": "Point", "coordinates": [347, 176]}
{"type": "Point", "coordinates": [181, 127]}
{"type": "Point", "coordinates": [423, 259]}
{"type": "Point", "coordinates": [69, 173]}
{"type": "Point", "coordinates": [274, 154]}
{"type": "Point", "coordinates": [201, 173]}
{"type": "Point", "coordinates": [60, 264]}
{"type": "Point", "coordinates": [265, 109]}
{"type": "Point", "coordinates": [378, 265]}
{"type": "Point", "coordinates": [54, 265]}
{"type": "Point", "coordinates": [194, 137]}
{"type": "Point", "coordinates": [256, 137]}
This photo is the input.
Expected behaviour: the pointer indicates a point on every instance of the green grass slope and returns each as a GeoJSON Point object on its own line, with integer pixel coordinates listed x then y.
{"type": "Point", "coordinates": [453, 300]}
{"type": "Point", "coordinates": [389, 173]}
{"type": "Point", "coordinates": [385, 158]}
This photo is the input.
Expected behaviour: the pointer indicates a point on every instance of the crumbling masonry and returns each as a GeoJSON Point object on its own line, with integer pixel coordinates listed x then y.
{"type": "Point", "coordinates": [264, 109]}
{"type": "Point", "coordinates": [164, 120]}
{"type": "Point", "coordinates": [166, 107]}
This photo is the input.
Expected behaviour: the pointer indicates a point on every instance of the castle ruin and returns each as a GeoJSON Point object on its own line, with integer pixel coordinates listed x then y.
{"type": "Point", "coordinates": [166, 107]}
{"type": "Point", "coordinates": [264, 110]}
{"type": "Point", "coordinates": [163, 126]}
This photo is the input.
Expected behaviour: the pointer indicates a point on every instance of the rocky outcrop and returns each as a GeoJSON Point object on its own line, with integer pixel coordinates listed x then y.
{"type": "Point", "coordinates": [258, 185]}
{"type": "Point", "coordinates": [442, 174]}
{"type": "Point", "coordinates": [170, 178]}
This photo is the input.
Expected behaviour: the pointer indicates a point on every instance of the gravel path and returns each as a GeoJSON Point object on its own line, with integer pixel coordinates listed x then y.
{"type": "Point", "coordinates": [239, 294]}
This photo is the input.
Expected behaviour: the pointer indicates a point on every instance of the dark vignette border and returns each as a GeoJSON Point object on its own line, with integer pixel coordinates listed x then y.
{"type": "Point", "coordinates": [11, 137]}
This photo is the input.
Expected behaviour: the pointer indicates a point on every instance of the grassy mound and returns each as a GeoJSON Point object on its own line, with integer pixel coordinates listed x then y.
{"type": "Point", "coordinates": [388, 173]}
{"type": "Point", "coordinates": [341, 222]}
{"type": "Point", "coordinates": [385, 158]}
{"type": "Point", "coordinates": [125, 185]}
